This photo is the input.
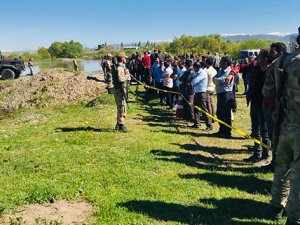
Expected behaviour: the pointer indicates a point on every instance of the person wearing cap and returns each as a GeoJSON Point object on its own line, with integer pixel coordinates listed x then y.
{"type": "Point", "coordinates": [120, 77]}
{"type": "Point", "coordinates": [225, 97]}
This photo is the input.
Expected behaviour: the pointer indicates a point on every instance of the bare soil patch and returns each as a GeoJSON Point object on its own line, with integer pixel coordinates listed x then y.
{"type": "Point", "coordinates": [60, 212]}
{"type": "Point", "coordinates": [50, 87]}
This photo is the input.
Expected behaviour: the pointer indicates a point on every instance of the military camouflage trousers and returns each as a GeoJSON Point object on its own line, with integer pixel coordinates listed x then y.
{"type": "Point", "coordinates": [121, 106]}
{"type": "Point", "coordinates": [286, 181]}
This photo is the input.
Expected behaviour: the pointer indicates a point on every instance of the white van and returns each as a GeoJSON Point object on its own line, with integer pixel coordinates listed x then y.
{"type": "Point", "coordinates": [249, 53]}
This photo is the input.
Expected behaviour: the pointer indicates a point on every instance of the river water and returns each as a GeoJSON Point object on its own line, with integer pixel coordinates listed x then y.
{"type": "Point", "coordinates": [84, 65]}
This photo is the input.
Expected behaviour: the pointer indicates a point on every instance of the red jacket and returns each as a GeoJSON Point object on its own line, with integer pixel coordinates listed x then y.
{"type": "Point", "coordinates": [146, 61]}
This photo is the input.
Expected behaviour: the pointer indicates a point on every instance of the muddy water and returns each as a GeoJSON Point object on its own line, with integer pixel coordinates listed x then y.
{"type": "Point", "coordinates": [84, 65]}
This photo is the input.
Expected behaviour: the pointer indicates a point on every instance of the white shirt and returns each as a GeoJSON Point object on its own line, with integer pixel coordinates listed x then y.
{"type": "Point", "coordinates": [211, 73]}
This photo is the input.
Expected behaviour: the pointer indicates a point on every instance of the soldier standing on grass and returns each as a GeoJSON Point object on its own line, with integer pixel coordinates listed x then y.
{"type": "Point", "coordinates": [120, 77]}
{"type": "Point", "coordinates": [75, 64]}
{"type": "Point", "coordinates": [107, 65]}
{"type": "Point", "coordinates": [30, 65]}
{"type": "Point", "coordinates": [286, 182]}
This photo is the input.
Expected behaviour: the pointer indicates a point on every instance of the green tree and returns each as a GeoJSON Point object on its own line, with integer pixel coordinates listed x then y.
{"type": "Point", "coordinates": [70, 49]}
{"type": "Point", "coordinates": [43, 53]}
{"type": "Point", "coordinates": [213, 43]}
{"type": "Point", "coordinates": [56, 49]}
{"type": "Point", "coordinates": [140, 44]}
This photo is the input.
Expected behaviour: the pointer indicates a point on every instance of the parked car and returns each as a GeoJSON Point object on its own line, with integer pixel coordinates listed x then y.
{"type": "Point", "coordinates": [249, 53]}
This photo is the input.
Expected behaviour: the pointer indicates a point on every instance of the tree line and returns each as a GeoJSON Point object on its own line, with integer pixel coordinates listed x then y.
{"type": "Point", "coordinates": [181, 45]}
{"type": "Point", "coordinates": [211, 43]}
{"type": "Point", "coordinates": [57, 49]}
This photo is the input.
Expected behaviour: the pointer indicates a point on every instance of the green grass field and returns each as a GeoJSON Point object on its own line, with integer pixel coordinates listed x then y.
{"type": "Point", "coordinates": [161, 173]}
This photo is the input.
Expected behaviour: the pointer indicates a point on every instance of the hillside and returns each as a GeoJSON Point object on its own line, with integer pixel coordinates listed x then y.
{"type": "Point", "coordinates": [243, 37]}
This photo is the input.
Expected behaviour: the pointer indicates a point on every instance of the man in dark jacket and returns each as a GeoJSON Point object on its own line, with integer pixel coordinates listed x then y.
{"type": "Point", "coordinates": [187, 90]}
{"type": "Point", "coordinates": [255, 98]}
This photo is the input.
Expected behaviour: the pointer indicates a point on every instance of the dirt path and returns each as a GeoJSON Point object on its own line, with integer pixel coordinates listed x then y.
{"type": "Point", "coordinates": [60, 212]}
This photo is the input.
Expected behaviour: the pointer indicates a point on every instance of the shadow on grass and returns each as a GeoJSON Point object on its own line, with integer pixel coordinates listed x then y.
{"type": "Point", "coordinates": [250, 184]}
{"type": "Point", "coordinates": [210, 149]}
{"type": "Point", "coordinates": [165, 125]}
{"type": "Point", "coordinates": [199, 161]}
{"type": "Point", "coordinates": [185, 158]}
{"type": "Point", "coordinates": [156, 119]}
{"type": "Point", "coordinates": [226, 211]}
{"type": "Point", "coordinates": [157, 113]}
{"type": "Point", "coordinates": [75, 129]}
{"type": "Point", "coordinates": [197, 134]}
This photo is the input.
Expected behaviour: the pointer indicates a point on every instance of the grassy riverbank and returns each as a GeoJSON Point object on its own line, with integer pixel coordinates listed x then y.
{"type": "Point", "coordinates": [160, 173]}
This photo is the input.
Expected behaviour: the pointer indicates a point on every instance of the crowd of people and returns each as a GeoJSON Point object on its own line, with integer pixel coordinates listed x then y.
{"type": "Point", "coordinates": [198, 77]}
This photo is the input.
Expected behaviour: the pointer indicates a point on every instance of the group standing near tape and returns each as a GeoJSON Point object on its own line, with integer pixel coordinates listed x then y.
{"type": "Point", "coordinates": [273, 88]}
{"type": "Point", "coordinates": [238, 131]}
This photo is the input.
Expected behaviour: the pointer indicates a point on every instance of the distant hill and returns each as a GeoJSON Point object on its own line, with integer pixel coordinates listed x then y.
{"type": "Point", "coordinates": [272, 36]}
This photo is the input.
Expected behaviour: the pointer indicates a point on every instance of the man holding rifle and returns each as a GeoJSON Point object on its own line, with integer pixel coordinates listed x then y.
{"type": "Point", "coordinates": [120, 77]}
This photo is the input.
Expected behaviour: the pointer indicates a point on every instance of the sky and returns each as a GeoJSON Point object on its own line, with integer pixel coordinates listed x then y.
{"type": "Point", "coordinates": [29, 24]}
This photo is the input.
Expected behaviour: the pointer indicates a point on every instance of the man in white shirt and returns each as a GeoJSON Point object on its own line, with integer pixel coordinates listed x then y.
{"type": "Point", "coordinates": [211, 73]}
{"type": "Point", "coordinates": [199, 84]}
{"type": "Point", "coordinates": [217, 60]}
{"type": "Point", "coordinates": [168, 84]}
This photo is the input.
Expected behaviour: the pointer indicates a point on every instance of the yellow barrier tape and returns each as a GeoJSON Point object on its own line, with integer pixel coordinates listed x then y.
{"type": "Point", "coordinates": [236, 130]}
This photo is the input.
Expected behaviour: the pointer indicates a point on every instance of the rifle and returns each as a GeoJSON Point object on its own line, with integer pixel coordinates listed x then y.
{"type": "Point", "coordinates": [123, 87]}
{"type": "Point", "coordinates": [280, 102]}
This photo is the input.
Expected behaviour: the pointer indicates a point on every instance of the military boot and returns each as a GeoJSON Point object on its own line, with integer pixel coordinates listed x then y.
{"type": "Point", "coordinates": [123, 129]}
{"type": "Point", "coordinates": [117, 127]}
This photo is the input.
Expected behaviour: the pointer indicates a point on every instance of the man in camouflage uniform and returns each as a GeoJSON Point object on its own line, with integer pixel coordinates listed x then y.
{"type": "Point", "coordinates": [120, 77]}
{"type": "Point", "coordinates": [269, 92]}
{"type": "Point", "coordinates": [107, 70]}
{"type": "Point", "coordinates": [286, 182]}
